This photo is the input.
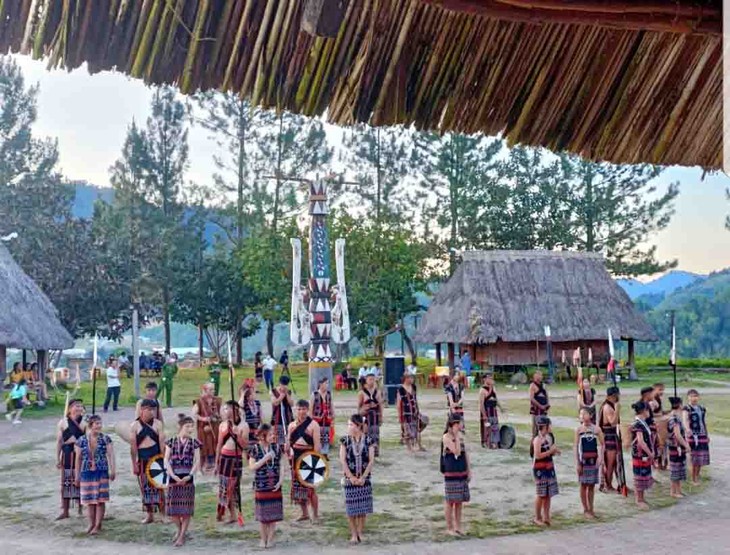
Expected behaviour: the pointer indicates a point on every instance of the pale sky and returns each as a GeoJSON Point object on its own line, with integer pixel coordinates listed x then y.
{"type": "Point", "coordinates": [89, 116]}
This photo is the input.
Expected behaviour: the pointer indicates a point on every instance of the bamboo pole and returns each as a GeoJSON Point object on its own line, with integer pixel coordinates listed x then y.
{"type": "Point", "coordinates": [186, 82]}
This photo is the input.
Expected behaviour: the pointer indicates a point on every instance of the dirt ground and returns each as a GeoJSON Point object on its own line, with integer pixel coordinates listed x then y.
{"type": "Point", "coordinates": [408, 497]}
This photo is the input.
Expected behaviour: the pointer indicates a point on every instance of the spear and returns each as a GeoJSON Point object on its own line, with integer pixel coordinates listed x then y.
{"type": "Point", "coordinates": [93, 374]}
{"type": "Point", "coordinates": [620, 470]}
{"type": "Point", "coordinates": [673, 354]}
{"type": "Point", "coordinates": [230, 367]}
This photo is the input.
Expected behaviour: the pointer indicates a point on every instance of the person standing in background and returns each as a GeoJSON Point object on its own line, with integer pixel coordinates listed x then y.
{"type": "Point", "coordinates": [113, 385]}
{"type": "Point", "coordinates": [169, 371]}
{"type": "Point", "coordinates": [284, 361]}
{"type": "Point", "coordinates": [269, 364]}
{"type": "Point", "coordinates": [466, 363]}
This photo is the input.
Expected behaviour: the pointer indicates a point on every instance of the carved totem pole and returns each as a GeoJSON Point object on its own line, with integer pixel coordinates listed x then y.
{"type": "Point", "coordinates": [326, 318]}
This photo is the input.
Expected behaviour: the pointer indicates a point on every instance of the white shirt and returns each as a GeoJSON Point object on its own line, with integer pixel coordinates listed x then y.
{"type": "Point", "coordinates": [269, 363]}
{"type": "Point", "coordinates": [375, 370]}
{"type": "Point", "coordinates": [361, 373]}
{"type": "Point", "coordinates": [112, 377]}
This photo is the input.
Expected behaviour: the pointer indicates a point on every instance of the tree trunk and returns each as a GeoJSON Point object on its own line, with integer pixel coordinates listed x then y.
{"type": "Point", "coordinates": [166, 315]}
{"type": "Point", "coordinates": [409, 344]}
{"type": "Point", "coordinates": [200, 343]}
{"type": "Point", "coordinates": [239, 343]}
{"type": "Point", "coordinates": [270, 337]}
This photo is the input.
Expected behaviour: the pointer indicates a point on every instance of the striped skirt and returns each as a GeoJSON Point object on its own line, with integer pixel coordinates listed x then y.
{"type": "Point", "coordinates": [299, 494]}
{"type": "Point", "coordinates": [700, 449]}
{"type": "Point", "coordinates": [589, 477]}
{"type": "Point", "coordinates": [678, 470]}
{"type": "Point", "coordinates": [643, 479]}
{"type": "Point", "coordinates": [180, 499]}
{"type": "Point", "coordinates": [68, 476]}
{"type": "Point", "coordinates": [410, 429]}
{"type": "Point", "coordinates": [229, 482]}
{"type": "Point", "coordinates": [268, 506]}
{"type": "Point", "coordinates": [490, 430]}
{"type": "Point", "coordinates": [94, 487]}
{"type": "Point", "coordinates": [153, 499]}
{"type": "Point", "coordinates": [546, 487]}
{"type": "Point", "coordinates": [358, 500]}
{"type": "Point", "coordinates": [281, 433]}
{"type": "Point", "coordinates": [324, 438]}
{"type": "Point", "coordinates": [373, 432]}
{"type": "Point", "coordinates": [457, 490]}
{"type": "Point", "coordinates": [610, 441]}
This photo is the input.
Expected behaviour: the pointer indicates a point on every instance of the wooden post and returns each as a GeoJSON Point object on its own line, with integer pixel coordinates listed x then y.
{"type": "Point", "coordinates": [438, 354]}
{"type": "Point", "coordinates": [3, 363]}
{"type": "Point", "coordinates": [323, 18]}
{"type": "Point", "coordinates": [451, 353]}
{"type": "Point", "coordinates": [632, 359]}
{"type": "Point", "coordinates": [135, 351]}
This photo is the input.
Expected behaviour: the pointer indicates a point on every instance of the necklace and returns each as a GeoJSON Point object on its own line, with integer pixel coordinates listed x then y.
{"type": "Point", "coordinates": [356, 449]}
{"type": "Point", "coordinates": [271, 462]}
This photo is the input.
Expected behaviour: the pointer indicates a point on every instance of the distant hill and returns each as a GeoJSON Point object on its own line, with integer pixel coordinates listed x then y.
{"type": "Point", "coordinates": [664, 285]}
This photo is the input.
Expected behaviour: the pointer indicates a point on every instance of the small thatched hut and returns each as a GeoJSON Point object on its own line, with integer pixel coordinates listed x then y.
{"type": "Point", "coordinates": [28, 320]}
{"type": "Point", "coordinates": [498, 303]}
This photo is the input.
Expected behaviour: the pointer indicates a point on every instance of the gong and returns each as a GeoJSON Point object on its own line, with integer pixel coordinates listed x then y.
{"type": "Point", "coordinates": [312, 469]}
{"type": "Point", "coordinates": [422, 422]}
{"type": "Point", "coordinates": [507, 437]}
{"type": "Point", "coordinates": [156, 473]}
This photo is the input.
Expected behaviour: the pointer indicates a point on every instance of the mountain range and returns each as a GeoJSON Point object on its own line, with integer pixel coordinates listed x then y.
{"type": "Point", "coordinates": [663, 286]}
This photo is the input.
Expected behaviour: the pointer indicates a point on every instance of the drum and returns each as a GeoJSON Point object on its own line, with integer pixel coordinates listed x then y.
{"type": "Point", "coordinates": [507, 437]}
{"type": "Point", "coordinates": [312, 469]}
{"type": "Point", "coordinates": [156, 473]}
{"type": "Point", "coordinates": [422, 422]}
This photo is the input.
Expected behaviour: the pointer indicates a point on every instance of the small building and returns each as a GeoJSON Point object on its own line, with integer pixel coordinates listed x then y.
{"type": "Point", "coordinates": [28, 319]}
{"type": "Point", "coordinates": [498, 304]}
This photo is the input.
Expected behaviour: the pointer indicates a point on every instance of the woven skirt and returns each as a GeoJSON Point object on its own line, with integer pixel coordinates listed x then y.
{"type": "Point", "coordinates": [610, 441]}
{"type": "Point", "coordinates": [153, 499]}
{"type": "Point", "coordinates": [324, 438]}
{"type": "Point", "coordinates": [546, 487]}
{"type": "Point", "coordinates": [94, 487]}
{"type": "Point", "coordinates": [678, 470]}
{"type": "Point", "coordinates": [410, 430]}
{"type": "Point", "coordinates": [281, 433]}
{"type": "Point", "coordinates": [268, 506]}
{"type": "Point", "coordinates": [643, 479]}
{"type": "Point", "coordinates": [456, 491]}
{"type": "Point", "coordinates": [229, 481]}
{"type": "Point", "coordinates": [358, 500]}
{"type": "Point", "coordinates": [589, 477]}
{"type": "Point", "coordinates": [373, 432]}
{"type": "Point", "coordinates": [68, 476]}
{"type": "Point", "coordinates": [299, 493]}
{"type": "Point", "coordinates": [700, 451]}
{"type": "Point", "coordinates": [180, 499]}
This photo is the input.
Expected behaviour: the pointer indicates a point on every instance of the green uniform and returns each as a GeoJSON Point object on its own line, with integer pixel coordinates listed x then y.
{"type": "Point", "coordinates": [169, 370]}
{"type": "Point", "coordinates": [214, 371]}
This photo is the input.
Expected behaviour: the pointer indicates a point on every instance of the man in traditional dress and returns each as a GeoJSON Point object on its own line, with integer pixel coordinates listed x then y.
{"type": "Point", "coordinates": [207, 414]}
{"type": "Point", "coordinates": [539, 402]}
{"type": "Point", "coordinates": [608, 421]}
{"type": "Point", "coordinates": [147, 438]}
{"type": "Point", "coordinates": [151, 395]}
{"type": "Point", "coordinates": [696, 428]}
{"type": "Point", "coordinates": [69, 430]}
{"type": "Point", "coordinates": [281, 409]}
{"type": "Point", "coordinates": [169, 371]}
{"type": "Point", "coordinates": [323, 413]}
{"type": "Point", "coordinates": [303, 435]}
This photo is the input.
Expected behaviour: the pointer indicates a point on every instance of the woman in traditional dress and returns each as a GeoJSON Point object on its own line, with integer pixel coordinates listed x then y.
{"type": "Point", "coordinates": [265, 461]}
{"type": "Point", "coordinates": [454, 390]}
{"type": "Point", "coordinates": [251, 409]}
{"type": "Point", "coordinates": [543, 470]}
{"type": "Point", "coordinates": [587, 399]}
{"type": "Point", "coordinates": [488, 406]}
{"type": "Point", "coordinates": [232, 443]}
{"type": "Point", "coordinates": [95, 467]}
{"type": "Point", "coordinates": [281, 410]}
{"type": "Point", "coordinates": [699, 440]}
{"type": "Point", "coordinates": [323, 413]}
{"type": "Point", "coordinates": [642, 453]}
{"type": "Point", "coordinates": [182, 462]}
{"type": "Point", "coordinates": [258, 369]}
{"type": "Point", "coordinates": [408, 412]}
{"type": "Point", "coordinates": [457, 475]}
{"type": "Point", "coordinates": [357, 455]}
{"type": "Point", "coordinates": [69, 430]}
{"type": "Point", "coordinates": [678, 448]}
{"type": "Point", "coordinates": [370, 407]}
{"type": "Point", "coordinates": [539, 400]}
{"type": "Point", "coordinates": [588, 447]}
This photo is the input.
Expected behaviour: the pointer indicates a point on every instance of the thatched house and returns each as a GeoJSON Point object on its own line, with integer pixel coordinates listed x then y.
{"type": "Point", "coordinates": [498, 303]}
{"type": "Point", "coordinates": [28, 320]}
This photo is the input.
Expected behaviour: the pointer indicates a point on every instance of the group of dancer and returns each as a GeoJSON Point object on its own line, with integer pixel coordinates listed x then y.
{"type": "Point", "coordinates": [226, 437]}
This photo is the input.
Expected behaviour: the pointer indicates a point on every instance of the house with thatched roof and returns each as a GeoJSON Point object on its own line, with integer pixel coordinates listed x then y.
{"type": "Point", "coordinates": [28, 319]}
{"type": "Point", "coordinates": [498, 303]}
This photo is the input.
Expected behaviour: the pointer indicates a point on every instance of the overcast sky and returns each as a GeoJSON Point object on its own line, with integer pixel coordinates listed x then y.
{"type": "Point", "coordinates": [89, 115]}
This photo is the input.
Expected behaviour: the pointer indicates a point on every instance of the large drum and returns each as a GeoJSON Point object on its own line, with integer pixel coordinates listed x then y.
{"type": "Point", "coordinates": [422, 422]}
{"type": "Point", "coordinates": [312, 469]}
{"type": "Point", "coordinates": [507, 437]}
{"type": "Point", "coordinates": [156, 473]}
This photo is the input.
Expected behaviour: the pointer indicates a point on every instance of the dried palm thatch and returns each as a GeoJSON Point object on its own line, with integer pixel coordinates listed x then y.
{"type": "Point", "coordinates": [622, 81]}
{"type": "Point", "coordinates": [511, 295]}
{"type": "Point", "coordinates": [28, 320]}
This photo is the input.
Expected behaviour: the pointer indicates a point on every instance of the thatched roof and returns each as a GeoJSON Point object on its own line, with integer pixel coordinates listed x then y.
{"type": "Point", "coordinates": [616, 80]}
{"type": "Point", "coordinates": [513, 295]}
{"type": "Point", "coordinates": [28, 320]}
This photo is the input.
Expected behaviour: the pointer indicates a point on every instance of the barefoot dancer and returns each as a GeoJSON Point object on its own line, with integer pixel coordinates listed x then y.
{"type": "Point", "coordinates": [409, 413]}
{"type": "Point", "coordinates": [488, 406]}
{"type": "Point", "coordinates": [69, 429]}
{"type": "Point", "coordinates": [678, 448]}
{"type": "Point", "coordinates": [232, 444]}
{"type": "Point", "coordinates": [642, 453]}
{"type": "Point", "coordinates": [357, 455]}
{"type": "Point", "coordinates": [661, 460]}
{"type": "Point", "coordinates": [454, 391]}
{"type": "Point", "coordinates": [281, 410]}
{"type": "Point", "coordinates": [457, 475]}
{"type": "Point", "coordinates": [252, 411]}
{"type": "Point", "coordinates": [699, 441]}
{"type": "Point", "coordinates": [588, 452]}
{"type": "Point", "coordinates": [608, 421]}
{"type": "Point", "coordinates": [265, 461]}
{"type": "Point", "coordinates": [95, 467]}
{"type": "Point", "coordinates": [182, 461]}
{"type": "Point", "coordinates": [543, 469]}
{"type": "Point", "coordinates": [370, 407]}
{"type": "Point", "coordinates": [148, 437]}
{"type": "Point", "coordinates": [323, 413]}
{"type": "Point", "coordinates": [207, 414]}
{"type": "Point", "coordinates": [539, 401]}
{"type": "Point", "coordinates": [304, 435]}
